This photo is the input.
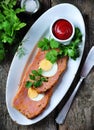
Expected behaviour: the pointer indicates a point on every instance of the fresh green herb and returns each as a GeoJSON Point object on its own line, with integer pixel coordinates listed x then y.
{"type": "Point", "coordinates": [52, 56]}
{"type": "Point", "coordinates": [37, 83]}
{"type": "Point", "coordinates": [71, 50]}
{"type": "Point", "coordinates": [21, 51]}
{"type": "Point", "coordinates": [28, 84]}
{"type": "Point", "coordinates": [36, 79]}
{"type": "Point", "coordinates": [9, 23]}
{"type": "Point", "coordinates": [46, 44]}
{"type": "Point", "coordinates": [53, 44]}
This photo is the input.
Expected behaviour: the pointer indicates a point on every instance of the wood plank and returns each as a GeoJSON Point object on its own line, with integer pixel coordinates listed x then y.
{"type": "Point", "coordinates": [5, 121]}
{"type": "Point", "coordinates": [81, 114]}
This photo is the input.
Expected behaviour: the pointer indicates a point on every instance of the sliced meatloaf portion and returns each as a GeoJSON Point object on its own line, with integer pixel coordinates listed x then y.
{"type": "Point", "coordinates": [28, 107]}
{"type": "Point", "coordinates": [22, 102]}
{"type": "Point", "coordinates": [62, 65]}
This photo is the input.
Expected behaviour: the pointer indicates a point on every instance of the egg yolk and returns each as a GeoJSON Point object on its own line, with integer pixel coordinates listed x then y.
{"type": "Point", "coordinates": [32, 93]}
{"type": "Point", "coordinates": [45, 65]}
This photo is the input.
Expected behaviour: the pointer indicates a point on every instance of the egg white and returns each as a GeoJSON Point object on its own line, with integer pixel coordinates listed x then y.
{"type": "Point", "coordinates": [33, 95]}
{"type": "Point", "coordinates": [51, 72]}
{"type": "Point", "coordinates": [38, 97]}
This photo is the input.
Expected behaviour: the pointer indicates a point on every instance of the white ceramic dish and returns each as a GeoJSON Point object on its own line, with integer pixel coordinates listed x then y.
{"type": "Point", "coordinates": [41, 29]}
{"type": "Point", "coordinates": [31, 6]}
{"type": "Point", "coordinates": [67, 41]}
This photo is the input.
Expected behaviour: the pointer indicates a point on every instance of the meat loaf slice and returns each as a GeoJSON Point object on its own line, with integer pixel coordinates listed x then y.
{"type": "Point", "coordinates": [28, 107]}
{"type": "Point", "coordinates": [62, 65]}
{"type": "Point", "coordinates": [22, 102]}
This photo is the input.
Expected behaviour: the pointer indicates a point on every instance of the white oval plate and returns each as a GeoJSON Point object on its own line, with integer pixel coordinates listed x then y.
{"type": "Point", "coordinates": [41, 29]}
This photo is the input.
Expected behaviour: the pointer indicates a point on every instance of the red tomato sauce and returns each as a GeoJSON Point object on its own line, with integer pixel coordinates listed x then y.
{"type": "Point", "coordinates": [62, 29]}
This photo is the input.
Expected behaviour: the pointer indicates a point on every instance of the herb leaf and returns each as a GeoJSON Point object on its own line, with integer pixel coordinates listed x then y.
{"type": "Point", "coordinates": [71, 50]}
{"type": "Point", "coordinates": [44, 44]}
{"type": "Point", "coordinates": [37, 83]}
{"type": "Point", "coordinates": [36, 79]}
{"type": "Point", "coordinates": [9, 24]}
{"type": "Point", "coordinates": [40, 71]}
{"type": "Point", "coordinates": [32, 77]}
{"type": "Point", "coordinates": [21, 51]}
{"type": "Point", "coordinates": [54, 44]}
{"type": "Point", "coordinates": [28, 84]}
{"type": "Point", "coordinates": [44, 79]}
{"type": "Point", "coordinates": [34, 72]}
{"type": "Point", "coordinates": [52, 56]}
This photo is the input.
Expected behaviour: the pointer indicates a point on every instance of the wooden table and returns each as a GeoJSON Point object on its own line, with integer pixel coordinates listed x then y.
{"type": "Point", "coordinates": [81, 114]}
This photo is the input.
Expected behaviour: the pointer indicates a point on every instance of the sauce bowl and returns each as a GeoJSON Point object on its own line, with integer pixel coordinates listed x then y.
{"type": "Point", "coordinates": [62, 31]}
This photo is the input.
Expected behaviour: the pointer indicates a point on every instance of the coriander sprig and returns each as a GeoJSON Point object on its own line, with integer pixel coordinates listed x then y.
{"type": "Point", "coordinates": [10, 24]}
{"type": "Point", "coordinates": [52, 56]}
{"type": "Point", "coordinates": [35, 79]}
{"type": "Point", "coordinates": [46, 44]}
{"type": "Point", "coordinates": [9, 21]}
{"type": "Point", "coordinates": [71, 50]}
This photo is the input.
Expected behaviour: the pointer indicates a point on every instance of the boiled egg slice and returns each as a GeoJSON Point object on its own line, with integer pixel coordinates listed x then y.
{"type": "Point", "coordinates": [48, 68]}
{"type": "Point", "coordinates": [33, 95]}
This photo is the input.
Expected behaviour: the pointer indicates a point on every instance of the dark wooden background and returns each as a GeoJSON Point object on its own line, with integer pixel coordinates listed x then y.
{"type": "Point", "coordinates": [81, 114]}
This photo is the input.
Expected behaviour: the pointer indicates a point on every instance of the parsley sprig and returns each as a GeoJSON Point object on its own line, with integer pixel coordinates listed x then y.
{"type": "Point", "coordinates": [71, 50]}
{"type": "Point", "coordinates": [9, 21]}
{"type": "Point", "coordinates": [46, 44]}
{"type": "Point", "coordinates": [10, 24]}
{"type": "Point", "coordinates": [35, 79]}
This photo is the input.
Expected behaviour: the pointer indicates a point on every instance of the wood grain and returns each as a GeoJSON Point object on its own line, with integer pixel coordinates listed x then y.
{"type": "Point", "coordinates": [81, 114]}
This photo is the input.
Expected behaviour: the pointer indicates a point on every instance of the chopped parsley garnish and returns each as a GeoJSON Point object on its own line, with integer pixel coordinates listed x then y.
{"type": "Point", "coordinates": [36, 79]}
{"type": "Point", "coordinates": [71, 50]}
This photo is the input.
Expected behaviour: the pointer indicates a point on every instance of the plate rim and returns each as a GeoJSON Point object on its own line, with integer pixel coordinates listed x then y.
{"type": "Point", "coordinates": [68, 4]}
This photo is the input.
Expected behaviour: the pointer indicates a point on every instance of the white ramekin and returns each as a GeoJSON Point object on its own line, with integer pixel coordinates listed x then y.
{"type": "Point", "coordinates": [67, 41]}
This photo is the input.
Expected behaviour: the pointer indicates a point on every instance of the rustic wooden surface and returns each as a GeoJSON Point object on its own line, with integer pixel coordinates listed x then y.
{"type": "Point", "coordinates": [81, 114]}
